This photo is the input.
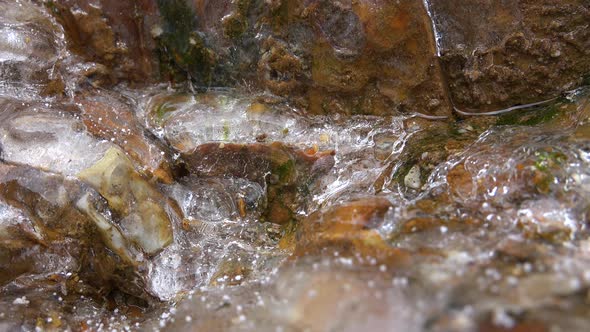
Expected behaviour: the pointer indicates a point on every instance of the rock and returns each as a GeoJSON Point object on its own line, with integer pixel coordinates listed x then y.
{"type": "Point", "coordinates": [114, 34]}
{"type": "Point", "coordinates": [29, 45]}
{"type": "Point", "coordinates": [182, 49]}
{"type": "Point", "coordinates": [396, 65]}
{"type": "Point", "coordinates": [287, 174]}
{"type": "Point", "coordinates": [144, 220]}
{"type": "Point", "coordinates": [505, 53]}
{"type": "Point", "coordinates": [186, 121]}
{"type": "Point", "coordinates": [367, 57]}
{"type": "Point", "coordinates": [412, 179]}
{"type": "Point", "coordinates": [17, 236]}
{"type": "Point", "coordinates": [311, 296]}
{"type": "Point", "coordinates": [522, 174]}
{"type": "Point", "coordinates": [70, 229]}
{"type": "Point", "coordinates": [48, 137]}
{"type": "Point", "coordinates": [350, 231]}
{"type": "Point", "coordinates": [109, 118]}
{"type": "Point", "coordinates": [548, 219]}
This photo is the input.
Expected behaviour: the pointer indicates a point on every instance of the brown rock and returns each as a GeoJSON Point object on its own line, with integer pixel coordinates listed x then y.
{"type": "Point", "coordinates": [286, 173]}
{"type": "Point", "coordinates": [113, 33]}
{"type": "Point", "coordinates": [109, 118]}
{"type": "Point", "coordinates": [386, 64]}
{"type": "Point", "coordinates": [349, 229]}
{"type": "Point", "coordinates": [62, 213]}
{"type": "Point", "coordinates": [504, 53]}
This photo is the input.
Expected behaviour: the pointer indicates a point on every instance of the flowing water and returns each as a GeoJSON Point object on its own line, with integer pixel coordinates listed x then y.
{"type": "Point", "coordinates": [396, 223]}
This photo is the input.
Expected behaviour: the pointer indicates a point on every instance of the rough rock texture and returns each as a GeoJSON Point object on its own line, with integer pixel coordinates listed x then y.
{"type": "Point", "coordinates": [374, 57]}
{"type": "Point", "coordinates": [498, 54]}
{"type": "Point", "coordinates": [57, 231]}
{"type": "Point", "coordinates": [349, 230]}
{"type": "Point", "coordinates": [114, 34]}
{"type": "Point", "coordinates": [216, 201]}
{"type": "Point", "coordinates": [365, 57]}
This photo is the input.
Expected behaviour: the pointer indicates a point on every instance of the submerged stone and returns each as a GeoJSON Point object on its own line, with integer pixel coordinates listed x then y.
{"type": "Point", "coordinates": [29, 47]}
{"type": "Point", "coordinates": [287, 174]}
{"type": "Point", "coordinates": [144, 220]}
{"type": "Point", "coordinates": [69, 227]}
{"type": "Point", "coordinates": [109, 118]}
{"type": "Point", "coordinates": [49, 137]}
{"type": "Point", "coordinates": [350, 230]}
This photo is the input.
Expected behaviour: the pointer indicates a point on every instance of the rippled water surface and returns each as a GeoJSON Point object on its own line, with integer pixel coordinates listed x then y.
{"type": "Point", "coordinates": [165, 208]}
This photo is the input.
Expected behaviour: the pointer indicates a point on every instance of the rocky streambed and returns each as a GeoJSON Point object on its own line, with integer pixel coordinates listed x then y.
{"type": "Point", "coordinates": [301, 165]}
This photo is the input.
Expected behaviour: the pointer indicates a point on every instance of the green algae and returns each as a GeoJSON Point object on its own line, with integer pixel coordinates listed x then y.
{"type": "Point", "coordinates": [181, 49]}
{"type": "Point", "coordinates": [530, 117]}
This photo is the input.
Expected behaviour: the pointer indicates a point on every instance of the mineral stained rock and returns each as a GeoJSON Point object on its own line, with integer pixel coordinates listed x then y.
{"type": "Point", "coordinates": [67, 226]}
{"type": "Point", "coordinates": [367, 57]}
{"type": "Point", "coordinates": [286, 173]}
{"type": "Point", "coordinates": [113, 34]}
{"type": "Point", "coordinates": [349, 229]}
{"type": "Point", "coordinates": [498, 54]}
{"type": "Point", "coordinates": [378, 57]}
{"type": "Point", "coordinates": [110, 118]}
{"type": "Point", "coordinates": [145, 221]}
{"type": "Point", "coordinates": [218, 165]}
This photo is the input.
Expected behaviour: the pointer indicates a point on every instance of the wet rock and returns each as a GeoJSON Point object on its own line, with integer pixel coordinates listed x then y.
{"type": "Point", "coordinates": [527, 185]}
{"type": "Point", "coordinates": [286, 173]}
{"type": "Point", "coordinates": [412, 179]}
{"type": "Point", "coordinates": [426, 145]}
{"type": "Point", "coordinates": [547, 219]}
{"type": "Point", "coordinates": [29, 44]}
{"type": "Point", "coordinates": [350, 230]}
{"type": "Point", "coordinates": [398, 59]}
{"type": "Point", "coordinates": [370, 57]}
{"type": "Point", "coordinates": [186, 121]}
{"type": "Point", "coordinates": [352, 302]}
{"type": "Point", "coordinates": [70, 230]}
{"type": "Point", "coordinates": [234, 267]}
{"type": "Point", "coordinates": [48, 137]}
{"type": "Point", "coordinates": [388, 64]}
{"type": "Point", "coordinates": [505, 53]}
{"type": "Point", "coordinates": [280, 70]}
{"type": "Point", "coordinates": [114, 34]}
{"type": "Point", "coordinates": [109, 118]}
{"type": "Point", "coordinates": [182, 48]}
{"type": "Point", "coordinates": [17, 236]}
{"type": "Point", "coordinates": [365, 57]}
{"type": "Point", "coordinates": [523, 174]}
{"type": "Point", "coordinates": [144, 220]}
